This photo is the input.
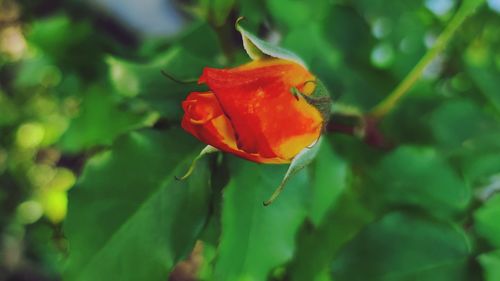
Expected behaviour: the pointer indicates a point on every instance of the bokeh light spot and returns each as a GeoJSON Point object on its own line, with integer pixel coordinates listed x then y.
{"type": "Point", "coordinates": [382, 55]}
{"type": "Point", "coordinates": [29, 212]}
{"type": "Point", "coordinates": [381, 27]}
{"type": "Point", "coordinates": [54, 205]}
{"type": "Point", "coordinates": [50, 76]}
{"type": "Point", "coordinates": [440, 7]}
{"type": "Point", "coordinates": [41, 175]}
{"type": "Point", "coordinates": [63, 180]}
{"type": "Point", "coordinates": [494, 5]}
{"type": "Point", "coordinates": [30, 135]}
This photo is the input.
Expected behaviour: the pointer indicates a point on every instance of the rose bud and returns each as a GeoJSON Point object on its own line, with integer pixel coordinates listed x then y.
{"type": "Point", "coordinates": [260, 111]}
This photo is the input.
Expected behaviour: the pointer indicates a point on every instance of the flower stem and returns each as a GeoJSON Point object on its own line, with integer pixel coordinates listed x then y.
{"type": "Point", "coordinates": [466, 9]}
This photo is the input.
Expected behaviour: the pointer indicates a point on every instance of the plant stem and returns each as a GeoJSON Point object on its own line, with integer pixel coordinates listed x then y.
{"type": "Point", "coordinates": [466, 9]}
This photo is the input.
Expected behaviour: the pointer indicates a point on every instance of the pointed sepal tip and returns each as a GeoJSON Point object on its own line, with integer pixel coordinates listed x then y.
{"type": "Point", "coordinates": [304, 158]}
{"type": "Point", "coordinates": [206, 150]}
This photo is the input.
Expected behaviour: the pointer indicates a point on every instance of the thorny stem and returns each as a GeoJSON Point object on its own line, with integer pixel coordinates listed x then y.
{"type": "Point", "coordinates": [386, 105]}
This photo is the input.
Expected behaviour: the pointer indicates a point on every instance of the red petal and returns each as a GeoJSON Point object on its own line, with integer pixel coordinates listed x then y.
{"type": "Point", "coordinates": [266, 117]}
{"type": "Point", "coordinates": [205, 120]}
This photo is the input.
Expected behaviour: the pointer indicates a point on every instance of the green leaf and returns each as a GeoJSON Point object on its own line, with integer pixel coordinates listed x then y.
{"type": "Point", "coordinates": [184, 60]}
{"type": "Point", "coordinates": [145, 80]}
{"type": "Point", "coordinates": [491, 265]}
{"type": "Point", "coordinates": [307, 40]}
{"type": "Point", "coordinates": [404, 247]}
{"type": "Point", "coordinates": [470, 6]}
{"type": "Point", "coordinates": [129, 219]}
{"type": "Point", "coordinates": [486, 219]}
{"type": "Point", "coordinates": [316, 247]}
{"type": "Point", "coordinates": [486, 80]}
{"type": "Point", "coordinates": [297, 13]}
{"type": "Point", "coordinates": [210, 50]}
{"type": "Point", "coordinates": [481, 167]}
{"type": "Point", "coordinates": [419, 177]}
{"type": "Point", "coordinates": [331, 174]}
{"type": "Point", "coordinates": [471, 135]}
{"type": "Point", "coordinates": [100, 121]}
{"type": "Point", "coordinates": [136, 78]}
{"type": "Point", "coordinates": [256, 239]}
{"type": "Point", "coordinates": [71, 44]}
{"type": "Point", "coordinates": [334, 55]}
{"type": "Point", "coordinates": [8, 109]}
{"type": "Point", "coordinates": [220, 10]}
{"type": "Point", "coordinates": [458, 121]}
{"type": "Point", "coordinates": [257, 48]}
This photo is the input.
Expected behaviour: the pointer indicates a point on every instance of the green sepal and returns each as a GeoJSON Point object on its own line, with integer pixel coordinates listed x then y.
{"type": "Point", "coordinates": [207, 150]}
{"type": "Point", "coordinates": [299, 162]}
{"type": "Point", "coordinates": [258, 49]}
{"type": "Point", "coordinates": [320, 99]}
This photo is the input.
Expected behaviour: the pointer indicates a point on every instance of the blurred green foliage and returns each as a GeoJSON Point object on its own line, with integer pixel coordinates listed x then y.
{"type": "Point", "coordinates": [90, 142]}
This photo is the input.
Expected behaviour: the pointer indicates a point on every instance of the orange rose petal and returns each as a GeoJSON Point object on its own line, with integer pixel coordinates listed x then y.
{"type": "Point", "coordinates": [266, 117]}
{"type": "Point", "coordinates": [205, 120]}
